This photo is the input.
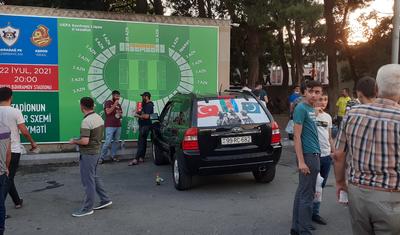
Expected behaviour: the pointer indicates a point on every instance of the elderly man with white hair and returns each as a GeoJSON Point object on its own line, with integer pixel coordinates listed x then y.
{"type": "Point", "coordinates": [370, 136]}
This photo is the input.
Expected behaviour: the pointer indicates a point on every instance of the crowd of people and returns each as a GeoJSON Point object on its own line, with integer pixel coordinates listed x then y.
{"type": "Point", "coordinates": [367, 145]}
{"type": "Point", "coordinates": [92, 151]}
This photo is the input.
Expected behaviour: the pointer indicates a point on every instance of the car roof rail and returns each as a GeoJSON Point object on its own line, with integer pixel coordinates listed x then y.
{"type": "Point", "coordinates": [242, 92]}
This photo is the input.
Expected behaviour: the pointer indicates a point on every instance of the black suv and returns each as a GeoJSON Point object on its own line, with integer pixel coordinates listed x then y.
{"type": "Point", "coordinates": [216, 134]}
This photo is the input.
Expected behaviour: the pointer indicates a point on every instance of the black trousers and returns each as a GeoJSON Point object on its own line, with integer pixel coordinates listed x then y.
{"type": "Point", "coordinates": [142, 141]}
{"type": "Point", "coordinates": [10, 185]}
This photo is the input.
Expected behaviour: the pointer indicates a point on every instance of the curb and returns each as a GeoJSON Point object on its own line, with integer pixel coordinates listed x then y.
{"type": "Point", "coordinates": [69, 157]}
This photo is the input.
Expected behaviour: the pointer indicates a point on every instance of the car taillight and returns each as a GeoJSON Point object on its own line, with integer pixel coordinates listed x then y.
{"type": "Point", "coordinates": [190, 140]}
{"type": "Point", "coordinates": [276, 135]}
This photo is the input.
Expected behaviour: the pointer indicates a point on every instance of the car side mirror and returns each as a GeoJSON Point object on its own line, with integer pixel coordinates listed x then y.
{"type": "Point", "coordinates": [154, 116]}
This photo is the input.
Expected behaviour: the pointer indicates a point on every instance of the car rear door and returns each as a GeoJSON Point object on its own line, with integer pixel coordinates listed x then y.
{"type": "Point", "coordinates": [179, 121]}
{"type": "Point", "coordinates": [229, 126]}
{"type": "Point", "coordinates": [161, 137]}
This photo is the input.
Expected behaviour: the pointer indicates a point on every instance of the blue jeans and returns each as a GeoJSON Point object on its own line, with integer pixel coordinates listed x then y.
{"type": "Point", "coordinates": [325, 163]}
{"type": "Point", "coordinates": [3, 182]}
{"type": "Point", "coordinates": [113, 135]}
{"type": "Point", "coordinates": [303, 201]}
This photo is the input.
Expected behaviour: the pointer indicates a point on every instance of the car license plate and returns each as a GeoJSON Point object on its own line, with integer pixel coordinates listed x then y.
{"type": "Point", "coordinates": [236, 140]}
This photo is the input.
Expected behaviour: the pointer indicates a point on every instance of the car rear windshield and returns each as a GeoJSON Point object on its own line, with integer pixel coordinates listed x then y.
{"type": "Point", "coordinates": [230, 111]}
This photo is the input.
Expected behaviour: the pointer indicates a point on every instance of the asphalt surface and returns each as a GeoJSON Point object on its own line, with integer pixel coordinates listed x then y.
{"type": "Point", "coordinates": [228, 204]}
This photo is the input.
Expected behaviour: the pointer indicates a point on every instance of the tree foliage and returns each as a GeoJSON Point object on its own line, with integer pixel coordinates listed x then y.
{"type": "Point", "coordinates": [269, 32]}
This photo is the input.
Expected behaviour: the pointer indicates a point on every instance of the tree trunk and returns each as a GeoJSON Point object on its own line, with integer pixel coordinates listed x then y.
{"type": "Point", "coordinates": [141, 7]}
{"type": "Point", "coordinates": [352, 63]}
{"type": "Point", "coordinates": [158, 7]}
{"type": "Point", "coordinates": [283, 60]}
{"type": "Point", "coordinates": [253, 53]}
{"type": "Point", "coordinates": [285, 67]}
{"type": "Point", "coordinates": [209, 10]}
{"type": "Point", "coordinates": [331, 52]}
{"type": "Point", "coordinates": [201, 8]}
{"type": "Point", "coordinates": [291, 60]}
{"type": "Point", "coordinates": [298, 48]}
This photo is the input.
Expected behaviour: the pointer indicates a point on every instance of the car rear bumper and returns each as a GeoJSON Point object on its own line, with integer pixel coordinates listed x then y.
{"type": "Point", "coordinates": [205, 165]}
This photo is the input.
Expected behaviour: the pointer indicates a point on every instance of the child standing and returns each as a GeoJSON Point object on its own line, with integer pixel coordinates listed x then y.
{"type": "Point", "coordinates": [308, 152]}
{"type": "Point", "coordinates": [324, 126]}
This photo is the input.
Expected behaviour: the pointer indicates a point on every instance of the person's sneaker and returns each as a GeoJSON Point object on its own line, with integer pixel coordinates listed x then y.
{"type": "Point", "coordinates": [103, 205]}
{"type": "Point", "coordinates": [19, 206]}
{"type": "Point", "coordinates": [319, 220]}
{"type": "Point", "coordinates": [82, 213]}
{"type": "Point", "coordinates": [100, 161]}
{"type": "Point", "coordinates": [312, 228]}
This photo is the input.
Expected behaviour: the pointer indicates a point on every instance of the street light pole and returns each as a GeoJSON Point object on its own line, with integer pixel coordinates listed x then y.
{"type": "Point", "coordinates": [396, 32]}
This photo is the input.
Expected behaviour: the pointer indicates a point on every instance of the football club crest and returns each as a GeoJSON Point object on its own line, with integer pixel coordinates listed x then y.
{"type": "Point", "coordinates": [41, 37]}
{"type": "Point", "coordinates": [9, 35]}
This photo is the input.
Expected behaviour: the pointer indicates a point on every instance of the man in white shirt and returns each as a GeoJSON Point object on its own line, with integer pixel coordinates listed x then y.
{"type": "Point", "coordinates": [324, 126]}
{"type": "Point", "coordinates": [13, 118]}
{"type": "Point", "coordinates": [5, 157]}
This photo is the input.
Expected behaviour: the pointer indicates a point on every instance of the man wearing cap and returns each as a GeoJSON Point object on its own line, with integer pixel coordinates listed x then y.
{"type": "Point", "coordinates": [144, 127]}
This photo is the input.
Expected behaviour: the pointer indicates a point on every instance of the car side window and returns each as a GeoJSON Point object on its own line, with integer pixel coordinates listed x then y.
{"type": "Point", "coordinates": [180, 114]}
{"type": "Point", "coordinates": [165, 114]}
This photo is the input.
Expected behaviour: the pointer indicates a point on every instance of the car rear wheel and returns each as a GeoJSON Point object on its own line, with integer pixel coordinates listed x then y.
{"type": "Point", "coordinates": [182, 180]}
{"type": "Point", "coordinates": [265, 176]}
{"type": "Point", "coordinates": [158, 156]}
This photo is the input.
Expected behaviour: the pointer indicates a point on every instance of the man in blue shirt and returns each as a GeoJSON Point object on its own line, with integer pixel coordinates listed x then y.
{"type": "Point", "coordinates": [260, 92]}
{"type": "Point", "coordinates": [308, 151]}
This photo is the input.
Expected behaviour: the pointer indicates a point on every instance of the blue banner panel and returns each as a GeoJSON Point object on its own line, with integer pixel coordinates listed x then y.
{"type": "Point", "coordinates": [28, 40]}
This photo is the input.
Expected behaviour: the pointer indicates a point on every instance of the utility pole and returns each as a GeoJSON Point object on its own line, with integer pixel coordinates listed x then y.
{"type": "Point", "coordinates": [396, 32]}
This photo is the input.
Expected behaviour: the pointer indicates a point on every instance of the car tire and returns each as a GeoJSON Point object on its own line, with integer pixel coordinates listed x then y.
{"type": "Point", "coordinates": [265, 176]}
{"type": "Point", "coordinates": [182, 180]}
{"type": "Point", "coordinates": [158, 156]}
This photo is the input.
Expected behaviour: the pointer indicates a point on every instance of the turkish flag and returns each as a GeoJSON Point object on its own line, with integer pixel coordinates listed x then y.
{"type": "Point", "coordinates": [207, 111]}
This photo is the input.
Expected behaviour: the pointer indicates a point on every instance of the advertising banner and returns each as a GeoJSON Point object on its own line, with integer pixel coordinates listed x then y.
{"type": "Point", "coordinates": [51, 63]}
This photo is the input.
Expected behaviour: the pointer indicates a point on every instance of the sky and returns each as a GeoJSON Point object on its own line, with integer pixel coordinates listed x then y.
{"type": "Point", "coordinates": [384, 9]}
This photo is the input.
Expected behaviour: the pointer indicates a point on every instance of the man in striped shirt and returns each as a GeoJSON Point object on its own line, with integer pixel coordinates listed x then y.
{"type": "Point", "coordinates": [370, 137]}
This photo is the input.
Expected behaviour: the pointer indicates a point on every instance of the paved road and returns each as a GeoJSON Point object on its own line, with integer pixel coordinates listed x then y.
{"type": "Point", "coordinates": [232, 204]}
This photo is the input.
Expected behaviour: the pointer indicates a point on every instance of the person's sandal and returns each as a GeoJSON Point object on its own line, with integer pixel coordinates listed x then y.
{"type": "Point", "coordinates": [141, 160]}
{"type": "Point", "coordinates": [133, 162]}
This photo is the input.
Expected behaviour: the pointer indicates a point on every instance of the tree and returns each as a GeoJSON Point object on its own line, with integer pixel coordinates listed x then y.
{"type": "Point", "coordinates": [99, 5]}
{"type": "Point", "coordinates": [302, 21]}
{"type": "Point", "coordinates": [141, 7]}
{"type": "Point", "coordinates": [158, 7]}
{"type": "Point", "coordinates": [331, 52]}
{"type": "Point", "coordinates": [335, 13]}
{"type": "Point", "coordinates": [367, 61]}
